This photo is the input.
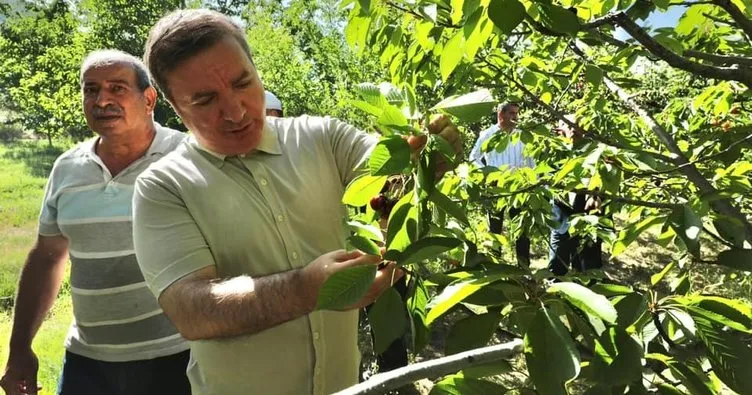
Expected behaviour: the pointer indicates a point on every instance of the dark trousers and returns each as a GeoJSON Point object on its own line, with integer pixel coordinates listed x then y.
{"type": "Point", "coordinates": [86, 376]}
{"type": "Point", "coordinates": [395, 356]}
{"type": "Point", "coordinates": [566, 251]}
{"type": "Point", "coordinates": [521, 245]}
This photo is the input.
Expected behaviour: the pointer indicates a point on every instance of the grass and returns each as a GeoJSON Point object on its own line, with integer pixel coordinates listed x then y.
{"type": "Point", "coordinates": [26, 165]}
{"type": "Point", "coordinates": [48, 343]}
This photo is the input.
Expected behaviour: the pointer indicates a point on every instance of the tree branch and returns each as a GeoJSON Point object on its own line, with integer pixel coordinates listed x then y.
{"type": "Point", "coordinates": [417, 15]}
{"type": "Point", "coordinates": [743, 75]}
{"type": "Point", "coordinates": [383, 382]}
{"type": "Point", "coordinates": [585, 133]}
{"type": "Point", "coordinates": [608, 19]}
{"type": "Point", "coordinates": [719, 59]}
{"type": "Point", "coordinates": [723, 206]}
{"type": "Point", "coordinates": [691, 3]}
{"type": "Point", "coordinates": [737, 15]}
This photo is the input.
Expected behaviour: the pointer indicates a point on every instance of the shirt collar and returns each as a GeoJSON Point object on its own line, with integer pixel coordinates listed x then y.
{"type": "Point", "coordinates": [159, 145]}
{"type": "Point", "coordinates": [269, 144]}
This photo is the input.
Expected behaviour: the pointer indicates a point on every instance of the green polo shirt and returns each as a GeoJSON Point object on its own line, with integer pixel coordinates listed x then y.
{"type": "Point", "coordinates": [275, 209]}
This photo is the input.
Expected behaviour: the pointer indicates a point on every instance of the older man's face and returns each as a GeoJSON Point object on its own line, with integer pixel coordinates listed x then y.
{"type": "Point", "coordinates": [220, 98]}
{"type": "Point", "coordinates": [112, 101]}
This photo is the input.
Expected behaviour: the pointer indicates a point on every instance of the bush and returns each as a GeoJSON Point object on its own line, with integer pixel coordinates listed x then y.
{"type": "Point", "coordinates": [10, 133]}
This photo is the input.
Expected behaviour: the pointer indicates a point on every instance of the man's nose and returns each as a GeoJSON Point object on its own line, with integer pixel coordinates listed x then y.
{"type": "Point", "coordinates": [233, 110]}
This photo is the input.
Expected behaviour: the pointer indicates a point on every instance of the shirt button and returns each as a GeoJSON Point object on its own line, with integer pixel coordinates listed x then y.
{"type": "Point", "coordinates": [280, 218]}
{"type": "Point", "coordinates": [294, 255]}
{"type": "Point", "coordinates": [263, 181]}
{"type": "Point", "coordinates": [316, 336]}
{"type": "Point", "coordinates": [318, 371]}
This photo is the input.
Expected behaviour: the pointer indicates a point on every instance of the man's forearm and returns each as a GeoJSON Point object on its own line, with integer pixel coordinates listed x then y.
{"type": "Point", "coordinates": [206, 309]}
{"type": "Point", "coordinates": [37, 290]}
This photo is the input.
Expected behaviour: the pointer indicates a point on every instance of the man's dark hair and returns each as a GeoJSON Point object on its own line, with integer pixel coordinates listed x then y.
{"type": "Point", "coordinates": [181, 35]}
{"type": "Point", "coordinates": [109, 57]}
{"type": "Point", "coordinates": [506, 106]}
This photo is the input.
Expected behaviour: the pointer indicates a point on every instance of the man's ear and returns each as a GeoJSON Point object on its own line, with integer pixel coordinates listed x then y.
{"type": "Point", "coordinates": [151, 98]}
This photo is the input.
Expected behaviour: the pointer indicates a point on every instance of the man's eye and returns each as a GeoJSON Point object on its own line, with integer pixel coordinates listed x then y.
{"type": "Point", "coordinates": [89, 91]}
{"type": "Point", "coordinates": [243, 84]}
{"type": "Point", "coordinates": [202, 102]}
{"type": "Point", "coordinates": [118, 89]}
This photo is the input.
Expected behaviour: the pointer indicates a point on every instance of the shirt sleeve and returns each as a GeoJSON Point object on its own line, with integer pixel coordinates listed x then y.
{"type": "Point", "coordinates": [477, 153]}
{"type": "Point", "coordinates": [48, 225]}
{"type": "Point", "coordinates": [167, 240]}
{"type": "Point", "coordinates": [350, 147]}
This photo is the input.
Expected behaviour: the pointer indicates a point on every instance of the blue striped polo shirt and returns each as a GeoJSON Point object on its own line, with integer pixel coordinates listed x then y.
{"type": "Point", "coordinates": [116, 317]}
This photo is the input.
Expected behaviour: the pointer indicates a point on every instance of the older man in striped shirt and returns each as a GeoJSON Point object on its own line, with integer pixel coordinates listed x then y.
{"type": "Point", "coordinates": [512, 157]}
{"type": "Point", "coordinates": [120, 341]}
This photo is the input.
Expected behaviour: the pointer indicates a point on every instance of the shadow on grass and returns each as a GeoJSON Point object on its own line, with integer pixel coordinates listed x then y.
{"type": "Point", "coordinates": [38, 156]}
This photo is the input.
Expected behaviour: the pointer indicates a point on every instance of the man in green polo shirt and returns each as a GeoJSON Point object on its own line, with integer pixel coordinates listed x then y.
{"type": "Point", "coordinates": [237, 230]}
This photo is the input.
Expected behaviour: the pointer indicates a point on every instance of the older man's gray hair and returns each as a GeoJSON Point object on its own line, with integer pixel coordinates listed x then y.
{"type": "Point", "coordinates": [108, 57]}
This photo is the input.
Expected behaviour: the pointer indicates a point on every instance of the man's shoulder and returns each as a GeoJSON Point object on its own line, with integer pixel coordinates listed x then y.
{"type": "Point", "coordinates": [170, 138]}
{"type": "Point", "coordinates": [174, 161]}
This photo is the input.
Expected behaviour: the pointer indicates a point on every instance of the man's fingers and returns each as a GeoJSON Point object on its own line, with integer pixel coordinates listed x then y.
{"type": "Point", "coordinates": [364, 259]}
{"type": "Point", "coordinates": [438, 123]}
{"type": "Point", "coordinates": [343, 255]}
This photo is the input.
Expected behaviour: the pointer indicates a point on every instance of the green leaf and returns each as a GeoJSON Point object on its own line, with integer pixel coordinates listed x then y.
{"type": "Point", "coordinates": [455, 385]}
{"type": "Point", "coordinates": [392, 116]}
{"type": "Point", "coordinates": [455, 293]}
{"type": "Point", "coordinates": [730, 357]}
{"type": "Point", "coordinates": [449, 207]}
{"type": "Point", "coordinates": [593, 75]}
{"type": "Point", "coordinates": [366, 230]}
{"type": "Point", "coordinates": [586, 300]}
{"type": "Point", "coordinates": [656, 278]}
{"type": "Point", "coordinates": [452, 54]}
{"type": "Point", "coordinates": [693, 378]}
{"type": "Point", "coordinates": [471, 332]}
{"type": "Point", "coordinates": [364, 244]}
{"type": "Point", "coordinates": [569, 167]}
{"type": "Point", "coordinates": [387, 318]}
{"type": "Point", "coordinates": [736, 258]}
{"type": "Point", "coordinates": [618, 358]}
{"type": "Point", "coordinates": [687, 226]}
{"type": "Point", "coordinates": [371, 94]}
{"type": "Point", "coordinates": [417, 299]}
{"type": "Point", "coordinates": [630, 308]}
{"type": "Point", "coordinates": [735, 314]}
{"type": "Point", "coordinates": [632, 232]}
{"type": "Point", "coordinates": [506, 14]}
{"type": "Point", "coordinates": [402, 226]}
{"type": "Point", "coordinates": [345, 287]}
{"type": "Point", "coordinates": [362, 189]}
{"type": "Point", "coordinates": [390, 156]}
{"type": "Point", "coordinates": [559, 19]}
{"type": "Point", "coordinates": [486, 370]}
{"type": "Point", "coordinates": [551, 356]}
{"type": "Point", "coordinates": [427, 248]}
{"type": "Point", "coordinates": [468, 107]}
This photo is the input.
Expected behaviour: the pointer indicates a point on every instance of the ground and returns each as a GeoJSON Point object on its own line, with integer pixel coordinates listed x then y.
{"type": "Point", "coordinates": [25, 167]}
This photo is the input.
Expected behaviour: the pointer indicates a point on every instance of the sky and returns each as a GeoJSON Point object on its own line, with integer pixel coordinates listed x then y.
{"type": "Point", "coordinates": [658, 18]}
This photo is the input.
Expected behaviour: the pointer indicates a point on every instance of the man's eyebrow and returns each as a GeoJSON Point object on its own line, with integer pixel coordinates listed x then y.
{"type": "Point", "coordinates": [243, 76]}
{"type": "Point", "coordinates": [113, 81]}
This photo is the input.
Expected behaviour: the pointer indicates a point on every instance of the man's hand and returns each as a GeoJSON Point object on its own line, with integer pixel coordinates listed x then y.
{"type": "Point", "coordinates": [593, 203]}
{"type": "Point", "coordinates": [20, 376]}
{"type": "Point", "coordinates": [318, 271]}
